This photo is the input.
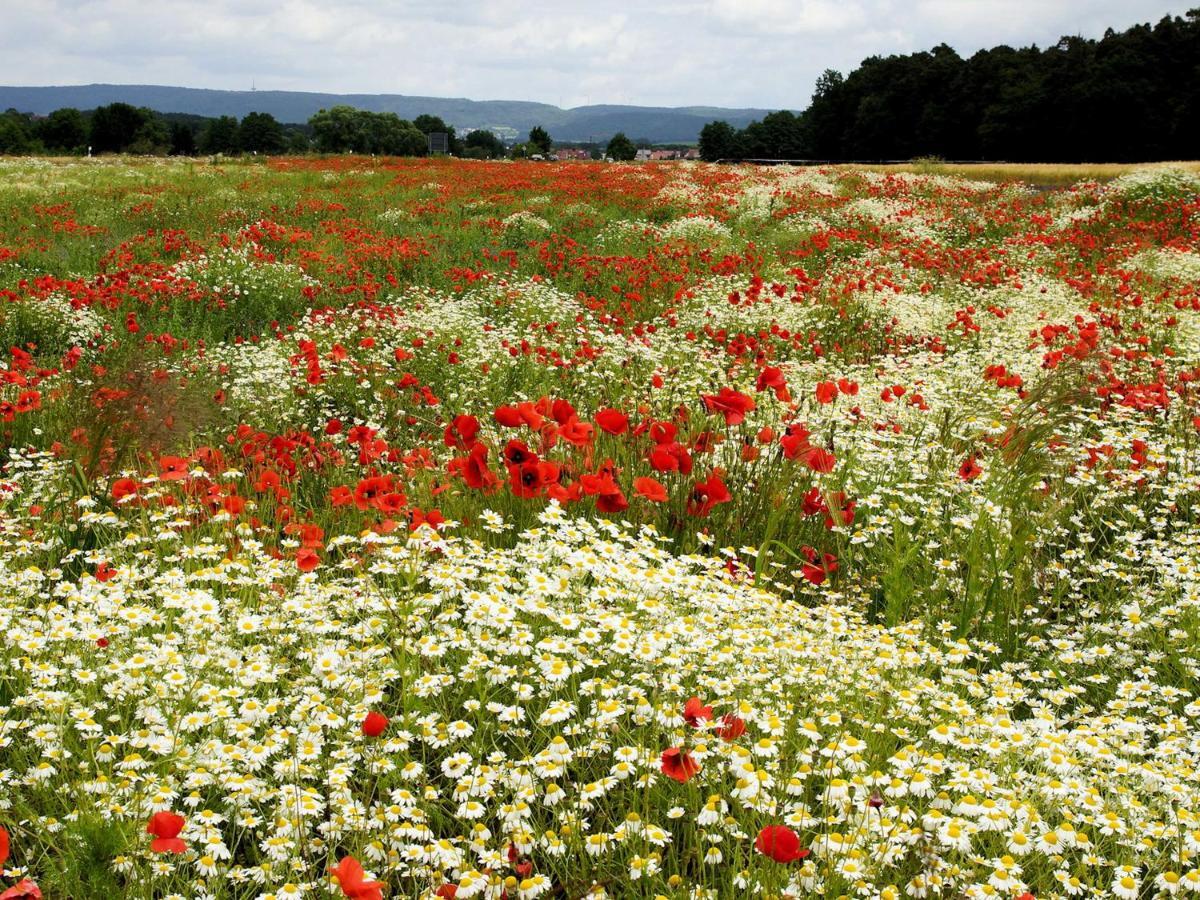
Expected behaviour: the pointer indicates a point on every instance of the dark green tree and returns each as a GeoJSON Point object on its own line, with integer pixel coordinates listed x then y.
{"type": "Point", "coordinates": [540, 138]}
{"type": "Point", "coordinates": [337, 129]}
{"type": "Point", "coordinates": [717, 141]}
{"type": "Point", "coordinates": [484, 141]}
{"type": "Point", "coordinates": [220, 136]}
{"type": "Point", "coordinates": [115, 127]}
{"type": "Point", "coordinates": [260, 133]}
{"type": "Point", "coordinates": [1129, 96]}
{"type": "Point", "coordinates": [428, 125]}
{"type": "Point", "coordinates": [344, 129]}
{"type": "Point", "coordinates": [153, 138]}
{"type": "Point", "coordinates": [16, 134]}
{"type": "Point", "coordinates": [183, 139]}
{"type": "Point", "coordinates": [297, 140]}
{"type": "Point", "coordinates": [621, 148]}
{"type": "Point", "coordinates": [63, 131]}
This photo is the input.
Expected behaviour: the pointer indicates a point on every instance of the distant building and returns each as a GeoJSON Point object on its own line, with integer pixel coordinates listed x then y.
{"type": "Point", "coordinates": [565, 153]}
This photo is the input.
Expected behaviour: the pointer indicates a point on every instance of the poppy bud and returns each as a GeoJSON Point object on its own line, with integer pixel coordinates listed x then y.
{"type": "Point", "coordinates": [374, 724]}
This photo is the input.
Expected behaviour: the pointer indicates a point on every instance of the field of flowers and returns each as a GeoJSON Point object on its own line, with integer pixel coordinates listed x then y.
{"type": "Point", "coordinates": [437, 529]}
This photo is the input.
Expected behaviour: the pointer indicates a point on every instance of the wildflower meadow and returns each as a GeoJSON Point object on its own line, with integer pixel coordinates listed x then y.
{"type": "Point", "coordinates": [435, 528]}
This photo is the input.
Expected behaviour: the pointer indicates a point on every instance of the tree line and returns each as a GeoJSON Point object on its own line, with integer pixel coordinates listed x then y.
{"type": "Point", "coordinates": [1131, 96]}
{"type": "Point", "coordinates": [122, 128]}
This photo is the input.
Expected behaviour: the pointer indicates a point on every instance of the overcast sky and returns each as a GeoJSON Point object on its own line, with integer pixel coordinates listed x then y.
{"type": "Point", "coordinates": [761, 53]}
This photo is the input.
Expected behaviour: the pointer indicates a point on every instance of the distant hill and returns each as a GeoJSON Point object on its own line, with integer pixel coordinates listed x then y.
{"type": "Point", "coordinates": [659, 124]}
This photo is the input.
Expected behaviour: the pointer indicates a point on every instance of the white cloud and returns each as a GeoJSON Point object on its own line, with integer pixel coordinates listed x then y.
{"type": "Point", "coordinates": [764, 53]}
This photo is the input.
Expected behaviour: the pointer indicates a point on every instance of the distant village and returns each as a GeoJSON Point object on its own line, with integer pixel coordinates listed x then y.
{"type": "Point", "coordinates": [562, 154]}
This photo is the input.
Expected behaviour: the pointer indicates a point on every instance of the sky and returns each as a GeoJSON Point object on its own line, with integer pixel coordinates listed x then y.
{"type": "Point", "coordinates": [734, 53]}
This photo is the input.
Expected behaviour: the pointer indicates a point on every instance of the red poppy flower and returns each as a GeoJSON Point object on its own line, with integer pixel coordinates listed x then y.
{"type": "Point", "coordinates": [461, 432]}
{"type": "Point", "coordinates": [374, 724]}
{"type": "Point", "coordinates": [576, 433]}
{"type": "Point", "coordinates": [847, 387]}
{"type": "Point", "coordinates": [311, 535]}
{"type": "Point", "coordinates": [165, 826]}
{"type": "Point", "coordinates": [772, 377]}
{"type": "Point", "coordinates": [707, 494]}
{"type": "Point", "coordinates": [434, 519]}
{"type": "Point", "coordinates": [612, 421]}
{"type": "Point", "coordinates": [818, 567]}
{"type": "Point", "coordinates": [565, 493]}
{"type": "Point", "coordinates": [562, 411]}
{"type": "Point", "coordinates": [970, 469]}
{"type": "Point", "coordinates": [730, 403]}
{"type": "Point", "coordinates": [28, 401]}
{"type": "Point", "coordinates": [525, 480]}
{"type": "Point", "coordinates": [671, 457]}
{"type": "Point", "coordinates": [124, 487]}
{"type": "Point", "coordinates": [508, 416]}
{"type": "Point", "coordinates": [818, 459]}
{"type": "Point", "coordinates": [695, 710]}
{"type": "Point", "coordinates": [732, 727]}
{"type": "Point", "coordinates": [447, 891]}
{"type": "Point", "coordinates": [391, 503]}
{"type": "Point", "coordinates": [679, 764]}
{"type": "Point", "coordinates": [368, 490]}
{"type": "Point", "coordinates": [173, 468]}
{"type": "Point", "coordinates": [352, 880]}
{"type": "Point", "coordinates": [794, 440]}
{"type": "Point", "coordinates": [827, 392]}
{"type": "Point", "coordinates": [3, 846]}
{"type": "Point", "coordinates": [531, 415]}
{"type": "Point", "coordinates": [842, 510]}
{"type": "Point", "coordinates": [661, 432]}
{"type": "Point", "coordinates": [474, 469]}
{"type": "Point", "coordinates": [23, 888]}
{"type": "Point", "coordinates": [105, 572]}
{"type": "Point", "coordinates": [650, 489]}
{"type": "Point", "coordinates": [307, 559]}
{"type": "Point", "coordinates": [516, 453]}
{"type": "Point", "coordinates": [780, 843]}
{"type": "Point", "coordinates": [612, 502]}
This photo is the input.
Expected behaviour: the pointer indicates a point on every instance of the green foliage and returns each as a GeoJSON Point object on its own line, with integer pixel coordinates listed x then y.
{"type": "Point", "coordinates": [344, 129]}
{"type": "Point", "coordinates": [63, 130]}
{"type": "Point", "coordinates": [621, 148]}
{"type": "Point", "coordinates": [118, 126]}
{"type": "Point", "coordinates": [483, 144]}
{"type": "Point", "coordinates": [540, 138]}
{"type": "Point", "coordinates": [717, 141]}
{"type": "Point", "coordinates": [260, 133]}
{"type": "Point", "coordinates": [183, 140]}
{"type": "Point", "coordinates": [428, 125]}
{"type": "Point", "coordinates": [220, 136]}
{"type": "Point", "coordinates": [1129, 96]}
{"type": "Point", "coordinates": [16, 136]}
{"type": "Point", "coordinates": [152, 138]}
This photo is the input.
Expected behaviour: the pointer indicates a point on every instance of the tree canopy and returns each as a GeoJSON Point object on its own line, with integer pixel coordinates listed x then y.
{"type": "Point", "coordinates": [621, 148]}
{"type": "Point", "coordinates": [1130, 96]}
{"type": "Point", "coordinates": [483, 144]}
{"type": "Point", "coordinates": [260, 133]}
{"type": "Point", "coordinates": [344, 129]}
{"type": "Point", "coordinates": [540, 138]}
